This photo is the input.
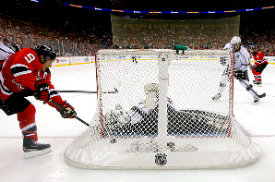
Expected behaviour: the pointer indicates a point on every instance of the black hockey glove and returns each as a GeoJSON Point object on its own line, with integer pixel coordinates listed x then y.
{"type": "Point", "coordinates": [239, 75]}
{"type": "Point", "coordinates": [42, 91]}
{"type": "Point", "coordinates": [67, 111]}
{"type": "Point", "coordinates": [236, 74]}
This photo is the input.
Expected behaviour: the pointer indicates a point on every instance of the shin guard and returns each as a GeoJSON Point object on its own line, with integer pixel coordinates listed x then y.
{"type": "Point", "coordinates": [27, 123]}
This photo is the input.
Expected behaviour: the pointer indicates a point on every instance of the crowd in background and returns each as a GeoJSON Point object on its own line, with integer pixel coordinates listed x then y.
{"type": "Point", "coordinates": [162, 34]}
{"type": "Point", "coordinates": [28, 35]}
{"type": "Point", "coordinates": [72, 34]}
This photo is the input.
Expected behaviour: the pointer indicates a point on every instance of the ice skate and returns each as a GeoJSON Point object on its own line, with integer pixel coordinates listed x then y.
{"type": "Point", "coordinates": [33, 149]}
{"type": "Point", "coordinates": [258, 83]}
{"type": "Point", "coordinates": [216, 97]}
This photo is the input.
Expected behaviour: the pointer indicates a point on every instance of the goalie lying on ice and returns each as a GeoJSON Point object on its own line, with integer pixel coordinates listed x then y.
{"type": "Point", "coordinates": [143, 118]}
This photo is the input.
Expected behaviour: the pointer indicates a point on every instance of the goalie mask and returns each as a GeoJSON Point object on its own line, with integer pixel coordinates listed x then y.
{"type": "Point", "coordinates": [152, 93]}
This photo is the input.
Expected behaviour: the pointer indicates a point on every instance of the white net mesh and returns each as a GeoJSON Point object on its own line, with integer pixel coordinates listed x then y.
{"type": "Point", "coordinates": [155, 111]}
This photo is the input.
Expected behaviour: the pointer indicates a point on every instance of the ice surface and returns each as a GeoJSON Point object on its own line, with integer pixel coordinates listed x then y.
{"type": "Point", "coordinates": [255, 120]}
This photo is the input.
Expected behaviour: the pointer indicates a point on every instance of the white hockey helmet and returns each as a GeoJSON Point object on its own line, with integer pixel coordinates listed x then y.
{"type": "Point", "coordinates": [235, 40]}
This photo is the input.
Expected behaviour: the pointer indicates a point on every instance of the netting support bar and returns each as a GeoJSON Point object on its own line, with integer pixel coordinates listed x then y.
{"type": "Point", "coordinates": [163, 63]}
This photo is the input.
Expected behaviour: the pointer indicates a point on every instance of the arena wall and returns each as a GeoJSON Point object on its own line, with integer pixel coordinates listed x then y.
{"type": "Point", "coordinates": [67, 61]}
{"type": "Point", "coordinates": [270, 59]}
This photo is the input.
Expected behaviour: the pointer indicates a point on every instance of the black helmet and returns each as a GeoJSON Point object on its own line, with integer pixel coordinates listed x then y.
{"type": "Point", "coordinates": [45, 50]}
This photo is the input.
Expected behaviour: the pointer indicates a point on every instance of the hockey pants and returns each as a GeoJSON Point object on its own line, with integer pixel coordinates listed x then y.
{"type": "Point", "coordinates": [258, 71]}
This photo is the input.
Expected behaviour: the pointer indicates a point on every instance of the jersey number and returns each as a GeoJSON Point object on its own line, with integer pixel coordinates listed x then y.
{"type": "Point", "coordinates": [29, 58]}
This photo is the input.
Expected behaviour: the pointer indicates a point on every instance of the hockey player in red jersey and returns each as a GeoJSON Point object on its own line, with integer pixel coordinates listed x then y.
{"type": "Point", "coordinates": [27, 73]}
{"type": "Point", "coordinates": [259, 65]}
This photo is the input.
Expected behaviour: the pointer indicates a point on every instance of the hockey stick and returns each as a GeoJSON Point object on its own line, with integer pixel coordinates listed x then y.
{"type": "Point", "coordinates": [248, 86]}
{"type": "Point", "coordinates": [62, 108]}
{"type": "Point", "coordinates": [88, 92]}
{"type": "Point", "coordinates": [77, 91]}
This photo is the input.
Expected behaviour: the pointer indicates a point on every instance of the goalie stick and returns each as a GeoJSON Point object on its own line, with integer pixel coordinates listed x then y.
{"type": "Point", "coordinates": [62, 108]}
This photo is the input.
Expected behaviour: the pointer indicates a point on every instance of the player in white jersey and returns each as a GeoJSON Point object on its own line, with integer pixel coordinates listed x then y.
{"type": "Point", "coordinates": [5, 52]}
{"type": "Point", "coordinates": [242, 60]}
{"type": "Point", "coordinates": [7, 48]}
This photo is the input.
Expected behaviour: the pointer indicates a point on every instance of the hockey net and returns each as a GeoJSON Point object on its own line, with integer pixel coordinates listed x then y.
{"type": "Point", "coordinates": [154, 111]}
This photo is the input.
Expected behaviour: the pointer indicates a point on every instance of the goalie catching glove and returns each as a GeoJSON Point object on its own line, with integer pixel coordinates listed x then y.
{"type": "Point", "coordinates": [42, 90]}
{"type": "Point", "coordinates": [67, 111]}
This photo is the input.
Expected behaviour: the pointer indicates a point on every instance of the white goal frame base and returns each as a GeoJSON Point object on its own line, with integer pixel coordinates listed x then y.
{"type": "Point", "coordinates": [175, 160]}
